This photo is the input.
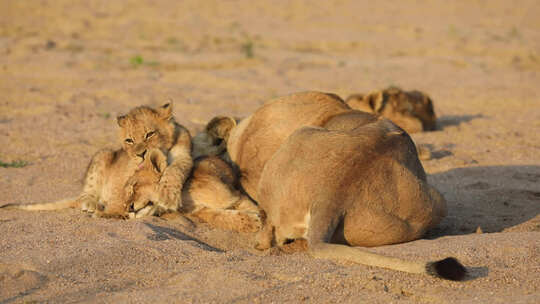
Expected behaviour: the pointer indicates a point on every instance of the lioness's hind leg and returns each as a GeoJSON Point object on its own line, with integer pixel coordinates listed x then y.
{"type": "Point", "coordinates": [321, 228]}
{"type": "Point", "coordinates": [372, 227]}
{"type": "Point", "coordinates": [94, 179]}
{"type": "Point", "coordinates": [439, 206]}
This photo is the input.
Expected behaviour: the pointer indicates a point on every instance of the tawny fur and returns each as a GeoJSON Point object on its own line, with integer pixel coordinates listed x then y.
{"type": "Point", "coordinates": [142, 129]}
{"type": "Point", "coordinates": [325, 173]}
{"type": "Point", "coordinates": [411, 110]}
{"type": "Point", "coordinates": [212, 141]}
{"type": "Point", "coordinates": [211, 192]}
{"type": "Point", "coordinates": [139, 189]}
{"type": "Point", "coordinates": [137, 176]}
{"type": "Point", "coordinates": [256, 138]}
{"type": "Point", "coordinates": [212, 195]}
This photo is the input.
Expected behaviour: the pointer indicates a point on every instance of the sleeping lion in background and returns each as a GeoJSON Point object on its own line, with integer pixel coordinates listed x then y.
{"type": "Point", "coordinates": [411, 110]}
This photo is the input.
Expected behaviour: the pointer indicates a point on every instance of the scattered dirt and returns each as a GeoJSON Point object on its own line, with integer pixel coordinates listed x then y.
{"type": "Point", "coordinates": [68, 68]}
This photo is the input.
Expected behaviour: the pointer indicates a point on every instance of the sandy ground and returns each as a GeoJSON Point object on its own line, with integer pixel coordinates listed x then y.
{"type": "Point", "coordinates": [68, 68]}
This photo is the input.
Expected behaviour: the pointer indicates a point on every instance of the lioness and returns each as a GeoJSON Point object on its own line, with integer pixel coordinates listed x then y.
{"type": "Point", "coordinates": [210, 194]}
{"type": "Point", "coordinates": [325, 173]}
{"type": "Point", "coordinates": [411, 110]}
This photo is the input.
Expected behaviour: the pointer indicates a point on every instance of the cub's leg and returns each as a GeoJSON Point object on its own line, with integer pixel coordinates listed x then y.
{"type": "Point", "coordinates": [226, 209]}
{"type": "Point", "coordinates": [230, 219]}
{"type": "Point", "coordinates": [94, 179]}
{"type": "Point", "coordinates": [176, 174]}
{"type": "Point", "coordinates": [210, 195]}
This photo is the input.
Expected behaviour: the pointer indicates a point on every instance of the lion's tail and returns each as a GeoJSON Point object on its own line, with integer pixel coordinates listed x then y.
{"type": "Point", "coordinates": [449, 268]}
{"type": "Point", "coordinates": [61, 204]}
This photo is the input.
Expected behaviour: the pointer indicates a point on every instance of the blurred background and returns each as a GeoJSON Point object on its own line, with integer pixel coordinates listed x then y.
{"type": "Point", "coordinates": [232, 55]}
{"type": "Point", "coordinates": [68, 68]}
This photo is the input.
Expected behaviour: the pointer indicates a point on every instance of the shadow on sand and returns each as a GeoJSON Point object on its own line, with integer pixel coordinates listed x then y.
{"type": "Point", "coordinates": [164, 233]}
{"type": "Point", "coordinates": [492, 198]}
{"type": "Point", "coordinates": [455, 120]}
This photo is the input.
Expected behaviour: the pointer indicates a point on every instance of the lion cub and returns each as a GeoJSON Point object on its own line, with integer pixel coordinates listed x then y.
{"type": "Point", "coordinates": [142, 129]}
{"type": "Point", "coordinates": [138, 190]}
{"type": "Point", "coordinates": [210, 194]}
{"type": "Point", "coordinates": [154, 173]}
{"type": "Point", "coordinates": [411, 110]}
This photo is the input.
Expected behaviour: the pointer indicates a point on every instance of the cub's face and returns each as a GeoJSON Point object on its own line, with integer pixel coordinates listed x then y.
{"type": "Point", "coordinates": [145, 128]}
{"type": "Point", "coordinates": [142, 186]}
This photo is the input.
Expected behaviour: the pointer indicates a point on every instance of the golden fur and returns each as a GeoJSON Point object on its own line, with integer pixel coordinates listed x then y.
{"type": "Point", "coordinates": [411, 110]}
{"type": "Point", "coordinates": [136, 181]}
{"type": "Point", "coordinates": [141, 130]}
{"type": "Point", "coordinates": [211, 194]}
{"type": "Point", "coordinates": [140, 188]}
{"type": "Point", "coordinates": [325, 173]}
{"type": "Point", "coordinates": [213, 140]}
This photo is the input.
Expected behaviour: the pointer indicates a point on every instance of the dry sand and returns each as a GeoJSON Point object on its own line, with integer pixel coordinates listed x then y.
{"type": "Point", "coordinates": [69, 67]}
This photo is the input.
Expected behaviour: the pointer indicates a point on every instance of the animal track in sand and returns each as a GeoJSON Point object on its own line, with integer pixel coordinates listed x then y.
{"type": "Point", "coordinates": [18, 281]}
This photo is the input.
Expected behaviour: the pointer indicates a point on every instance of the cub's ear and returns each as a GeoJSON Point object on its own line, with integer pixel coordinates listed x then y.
{"type": "Point", "coordinates": [165, 111]}
{"type": "Point", "coordinates": [371, 103]}
{"type": "Point", "coordinates": [375, 100]}
{"type": "Point", "coordinates": [121, 120]}
{"type": "Point", "coordinates": [356, 97]}
{"type": "Point", "coordinates": [220, 127]}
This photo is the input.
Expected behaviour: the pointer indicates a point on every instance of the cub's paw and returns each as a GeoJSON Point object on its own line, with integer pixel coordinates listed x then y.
{"type": "Point", "coordinates": [89, 206]}
{"type": "Point", "coordinates": [139, 204]}
{"type": "Point", "coordinates": [149, 210]}
{"type": "Point", "coordinates": [249, 222]}
{"type": "Point", "coordinates": [169, 199]}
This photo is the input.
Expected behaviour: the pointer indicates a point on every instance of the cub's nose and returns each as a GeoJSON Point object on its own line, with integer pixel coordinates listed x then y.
{"type": "Point", "coordinates": [142, 154]}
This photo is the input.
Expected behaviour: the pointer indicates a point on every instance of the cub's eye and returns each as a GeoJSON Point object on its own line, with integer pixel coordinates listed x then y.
{"type": "Point", "coordinates": [150, 134]}
{"type": "Point", "coordinates": [129, 141]}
